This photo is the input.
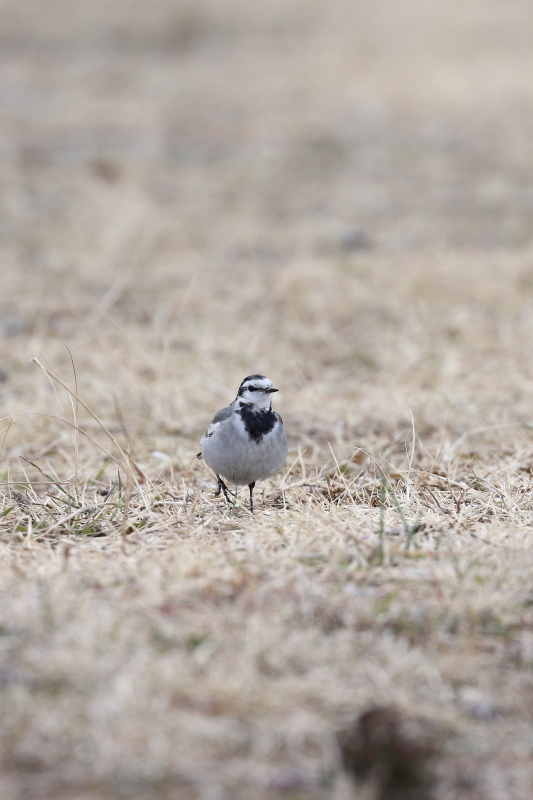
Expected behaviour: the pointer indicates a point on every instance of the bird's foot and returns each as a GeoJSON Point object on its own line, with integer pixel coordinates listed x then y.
{"type": "Point", "coordinates": [223, 488]}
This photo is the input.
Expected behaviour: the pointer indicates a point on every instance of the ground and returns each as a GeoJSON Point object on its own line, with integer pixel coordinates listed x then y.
{"type": "Point", "coordinates": [337, 195]}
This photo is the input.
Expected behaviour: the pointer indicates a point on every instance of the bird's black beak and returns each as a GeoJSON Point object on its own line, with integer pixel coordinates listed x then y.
{"type": "Point", "coordinates": [269, 391]}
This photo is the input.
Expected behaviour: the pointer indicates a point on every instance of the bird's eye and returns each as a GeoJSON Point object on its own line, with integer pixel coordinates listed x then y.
{"type": "Point", "coordinates": [252, 389]}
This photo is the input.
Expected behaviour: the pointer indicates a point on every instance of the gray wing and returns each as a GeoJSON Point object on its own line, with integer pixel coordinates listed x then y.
{"type": "Point", "coordinates": [219, 417]}
{"type": "Point", "coordinates": [224, 413]}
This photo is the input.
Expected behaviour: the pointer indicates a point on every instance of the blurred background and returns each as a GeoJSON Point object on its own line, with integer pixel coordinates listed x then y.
{"type": "Point", "coordinates": [337, 194]}
{"type": "Point", "coordinates": [332, 192]}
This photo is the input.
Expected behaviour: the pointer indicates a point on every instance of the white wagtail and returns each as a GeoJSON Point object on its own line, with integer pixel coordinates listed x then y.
{"type": "Point", "coordinates": [246, 441]}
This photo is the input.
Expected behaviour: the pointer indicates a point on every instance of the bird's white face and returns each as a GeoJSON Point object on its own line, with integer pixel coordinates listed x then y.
{"type": "Point", "coordinates": [256, 389]}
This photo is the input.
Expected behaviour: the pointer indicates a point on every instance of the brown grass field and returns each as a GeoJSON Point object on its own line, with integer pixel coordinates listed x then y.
{"type": "Point", "coordinates": [338, 195]}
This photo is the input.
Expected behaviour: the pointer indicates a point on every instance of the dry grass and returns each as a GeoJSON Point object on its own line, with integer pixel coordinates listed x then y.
{"type": "Point", "coordinates": [338, 195]}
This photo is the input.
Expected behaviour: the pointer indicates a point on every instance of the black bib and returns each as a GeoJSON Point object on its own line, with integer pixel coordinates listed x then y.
{"type": "Point", "coordinates": [257, 423]}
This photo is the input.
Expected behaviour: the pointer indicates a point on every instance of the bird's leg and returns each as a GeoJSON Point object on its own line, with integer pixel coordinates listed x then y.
{"type": "Point", "coordinates": [222, 488]}
{"type": "Point", "coordinates": [251, 488]}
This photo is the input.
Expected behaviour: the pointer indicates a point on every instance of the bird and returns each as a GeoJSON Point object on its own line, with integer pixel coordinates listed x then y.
{"type": "Point", "coordinates": [246, 441]}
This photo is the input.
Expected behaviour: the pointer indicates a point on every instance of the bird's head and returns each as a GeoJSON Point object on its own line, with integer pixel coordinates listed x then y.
{"type": "Point", "coordinates": [256, 389]}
